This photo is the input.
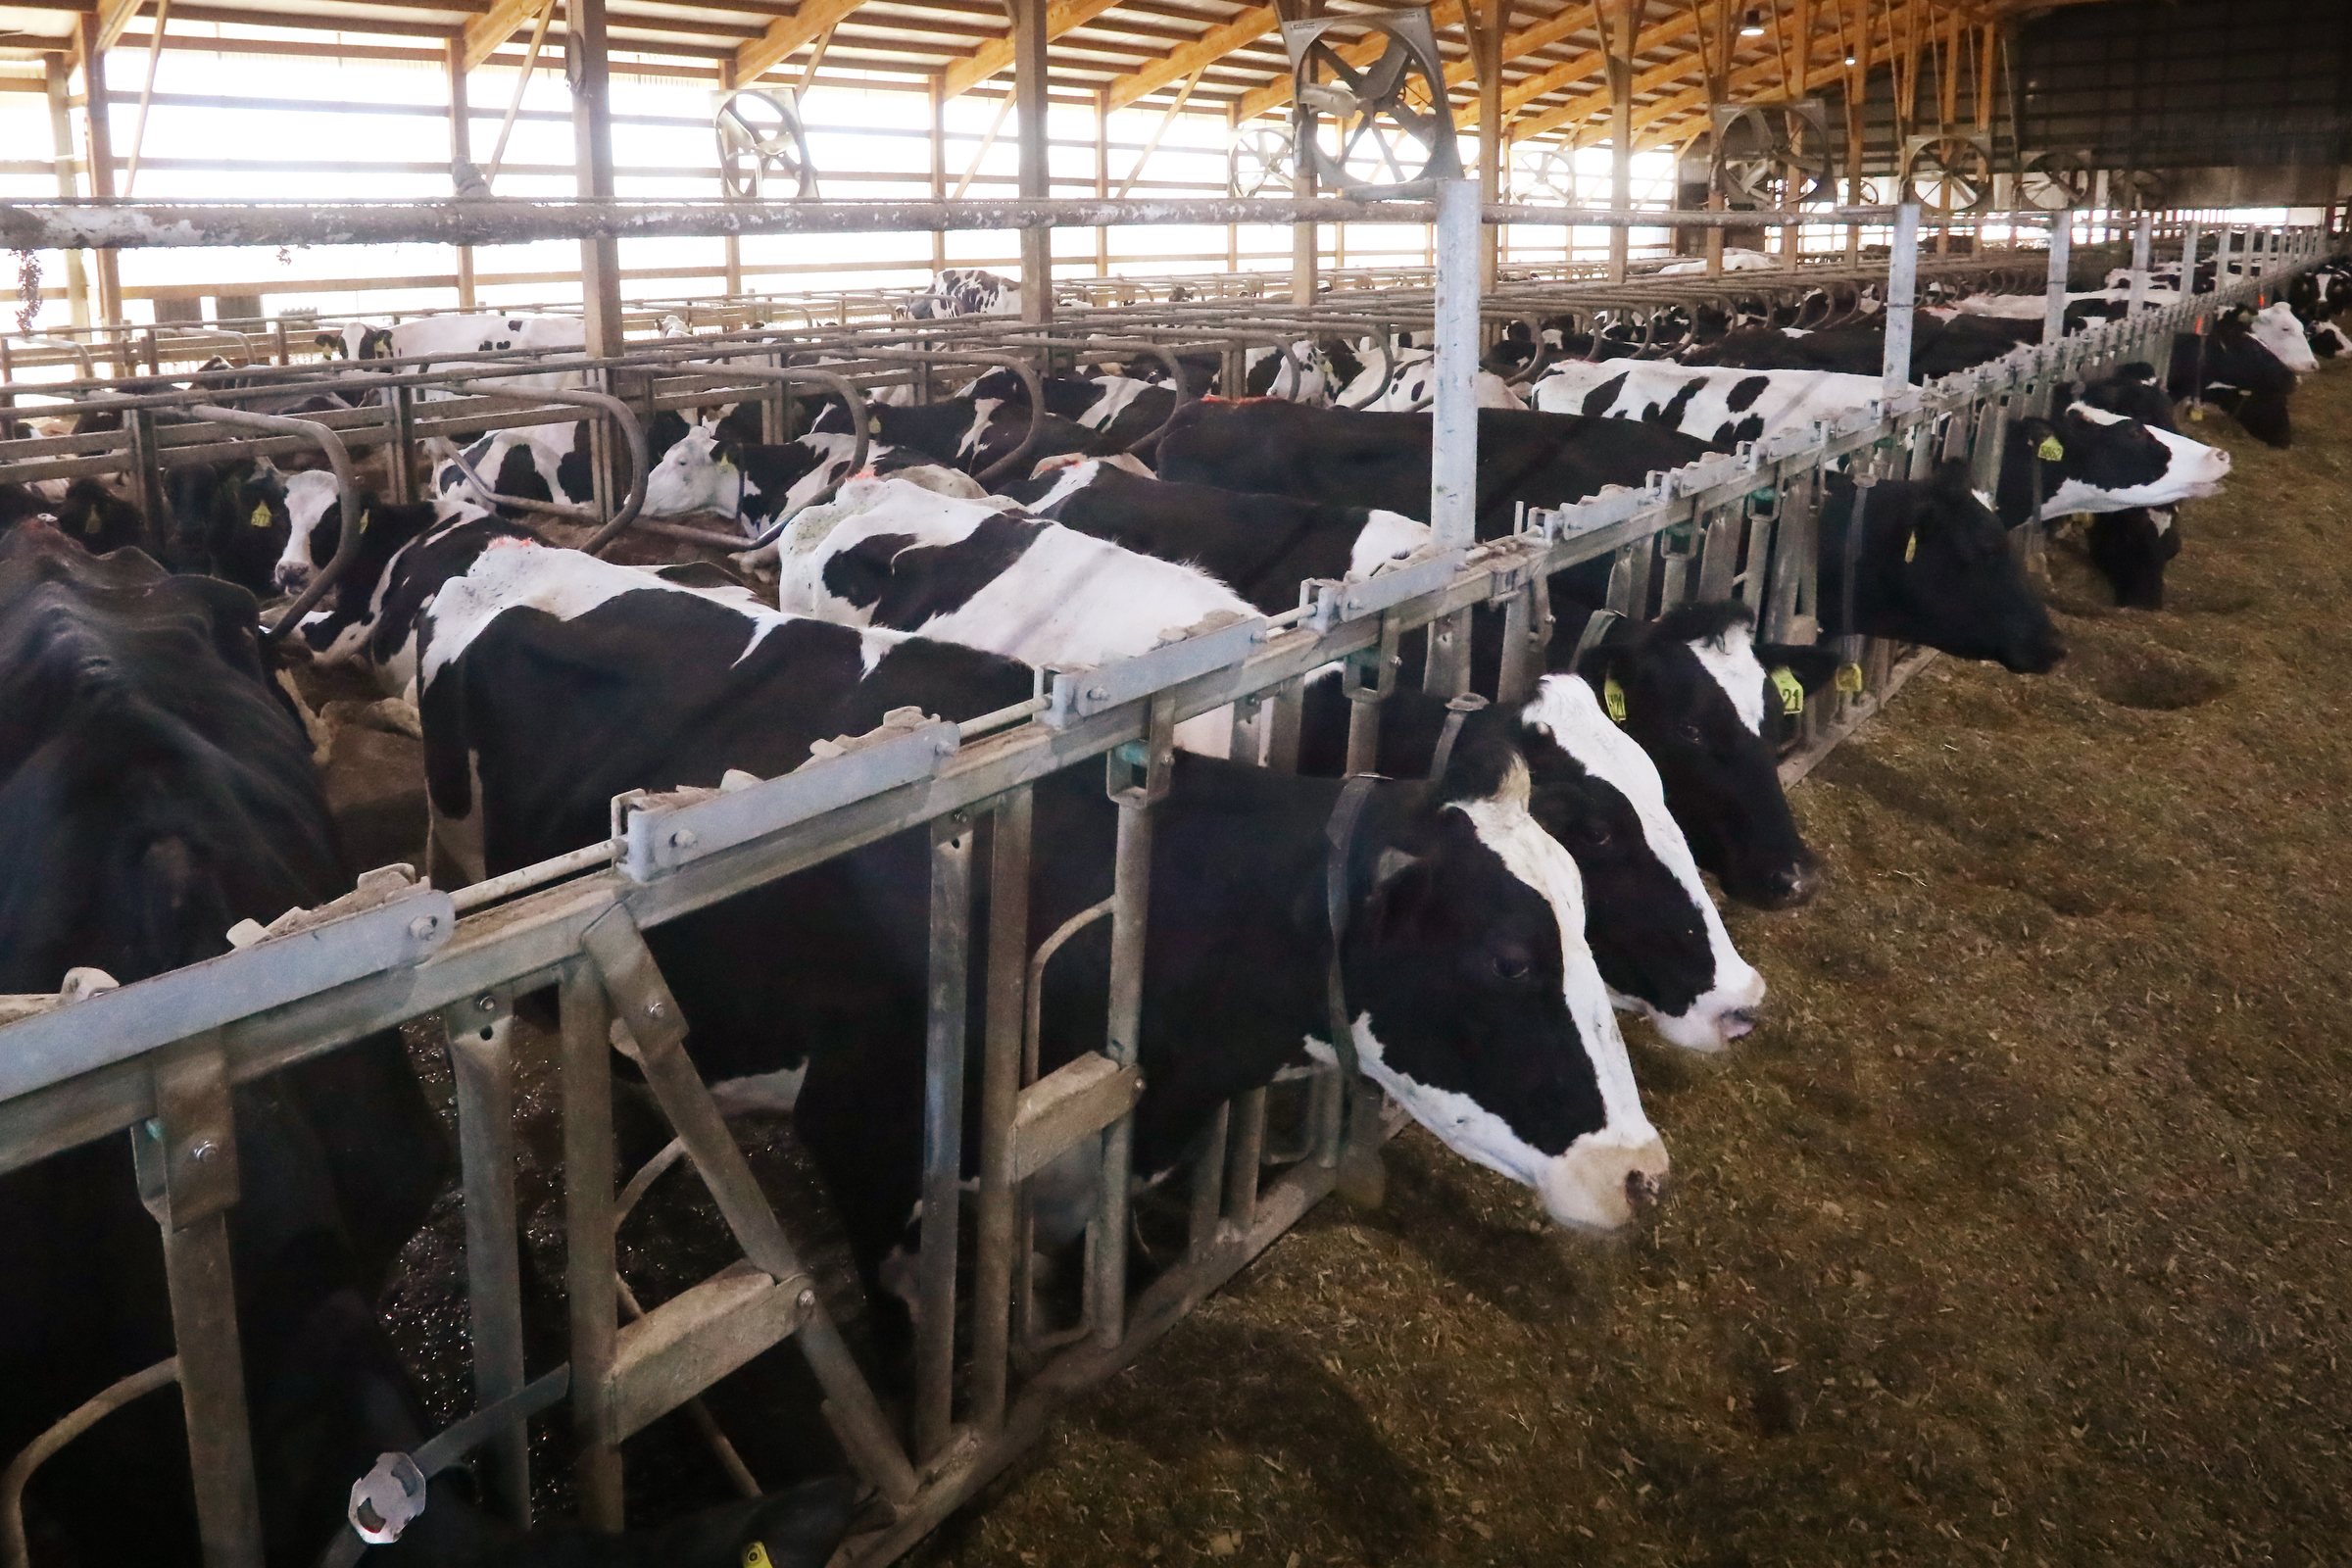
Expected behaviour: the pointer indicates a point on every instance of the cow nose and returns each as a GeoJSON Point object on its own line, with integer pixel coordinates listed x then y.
{"type": "Point", "coordinates": [1737, 1022]}
{"type": "Point", "coordinates": [1792, 885]}
{"type": "Point", "coordinates": [1642, 1191]}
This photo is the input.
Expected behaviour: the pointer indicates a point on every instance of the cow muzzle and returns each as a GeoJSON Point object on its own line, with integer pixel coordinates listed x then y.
{"type": "Point", "coordinates": [1605, 1181]}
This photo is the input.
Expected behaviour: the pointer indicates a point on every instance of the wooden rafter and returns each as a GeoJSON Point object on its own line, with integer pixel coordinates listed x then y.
{"type": "Point", "coordinates": [1182, 61]}
{"type": "Point", "coordinates": [786, 34]}
{"type": "Point", "coordinates": [1753, 75]}
{"type": "Point", "coordinates": [485, 32]}
{"type": "Point", "coordinates": [1594, 62]}
{"type": "Point", "coordinates": [997, 53]}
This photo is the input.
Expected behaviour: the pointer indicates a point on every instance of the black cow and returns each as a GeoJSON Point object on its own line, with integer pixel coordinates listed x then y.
{"type": "Point", "coordinates": [2233, 372]}
{"type": "Point", "coordinates": [228, 521]}
{"type": "Point", "coordinates": [1382, 460]}
{"type": "Point", "coordinates": [153, 792]}
{"type": "Point", "coordinates": [2130, 548]}
{"type": "Point", "coordinates": [94, 517]}
{"type": "Point", "coordinates": [968, 434]}
{"type": "Point", "coordinates": [1934, 567]}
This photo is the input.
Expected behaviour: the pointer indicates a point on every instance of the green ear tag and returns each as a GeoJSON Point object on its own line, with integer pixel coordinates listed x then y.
{"type": "Point", "coordinates": [1792, 690]}
{"type": "Point", "coordinates": [1849, 679]}
{"type": "Point", "coordinates": [756, 1555]}
{"type": "Point", "coordinates": [1911, 548]}
{"type": "Point", "coordinates": [1612, 697]}
{"type": "Point", "coordinates": [261, 515]}
{"type": "Point", "coordinates": [2050, 451]}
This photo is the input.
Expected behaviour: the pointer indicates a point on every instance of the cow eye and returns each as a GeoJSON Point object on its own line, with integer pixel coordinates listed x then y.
{"type": "Point", "coordinates": [1590, 832]}
{"type": "Point", "coordinates": [1512, 966]}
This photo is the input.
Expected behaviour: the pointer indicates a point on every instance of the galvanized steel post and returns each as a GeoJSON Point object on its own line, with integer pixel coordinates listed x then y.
{"type": "Point", "coordinates": [2142, 234]}
{"type": "Point", "coordinates": [943, 1132]}
{"type": "Point", "coordinates": [2053, 320]}
{"type": "Point", "coordinates": [1902, 293]}
{"type": "Point", "coordinates": [1453, 439]}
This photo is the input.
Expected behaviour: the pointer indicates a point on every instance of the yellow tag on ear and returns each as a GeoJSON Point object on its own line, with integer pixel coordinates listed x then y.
{"type": "Point", "coordinates": [2196, 414]}
{"type": "Point", "coordinates": [1612, 697]}
{"type": "Point", "coordinates": [90, 521]}
{"type": "Point", "coordinates": [1849, 679]}
{"type": "Point", "coordinates": [1911, 548]}
{"type": "Point", "coordinates": [1792, 690]}
{"type": "Point", "coordinates": [2050, 451]}
{"type": "Point", "coordinates": [756, 1555]}
{"type": "Point", "coordinates": [364, 516]}
{"type": "Point", "coordinates": [261, 515]}
{"type": "Point", "coordinates": [874, 427]}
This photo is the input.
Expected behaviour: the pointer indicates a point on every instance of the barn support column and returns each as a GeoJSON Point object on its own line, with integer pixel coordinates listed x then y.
{"type": "Point", "coordinates": [586, 69]}
{"type": "Point", "coordinates": [461, 150]}
{"type": "Point", "coordinates": [939, 166]}
{"type": "Point", "coordinates": [1621, 128]}
{"type": "Point", "coordinates": [1103, 178]}
{"type": "Point", "coordinates": [99, 136]}
{"type": "Point", "coordinates": [1030, 86]}
{"type": "Point", "coordinates": [1233, 231]}
{"type": "Point", "coordinates": [733, 243]}
{"type": "Point", "coordinates": [1486, 37]}
{"type": "Point", "coordinates": [61, 142]}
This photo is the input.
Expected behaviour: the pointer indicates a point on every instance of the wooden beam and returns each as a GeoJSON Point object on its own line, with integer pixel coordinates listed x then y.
{"type": "Point", "coordinates": [113, 17]}
{"type": "Point", "coordinates": [1821, 76]}
{"type": "Point", "coordinates": [1748, 76]}
{"type": "Point", "coordinates": [1206, 50]}
{"type": "Point", "coordinates": [484, 33]}
{"type": "Point", "coordinates": [1593, 63]}
{"type": "Point", "coordinates": [786, 34]}
{"type": "Point", "coordinates": [997, 53]}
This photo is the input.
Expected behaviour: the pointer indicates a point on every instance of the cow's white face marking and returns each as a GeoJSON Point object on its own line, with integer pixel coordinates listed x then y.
{"type": "Point", "coordinates": [1074, 478]}
{"type": "Point", "coordinates": [2277, 328]}
{"type": "Point", "coordinates": [1118, 391]}
{"type": "Point", "coordinates": [691, 479]}
{"type": "Point", "coordinates": [1386, 536]}
{"type": "Point", "coordinates": [308, 496]}
{"type": "Point", "coordinates": [2191, 472]}
{"type": "Point", "coordinates": [1585, 1185]}
{"type": "Point", "coordinates": [1732, 662]}
{"type": "Point", "coordinates": [1565, 708]}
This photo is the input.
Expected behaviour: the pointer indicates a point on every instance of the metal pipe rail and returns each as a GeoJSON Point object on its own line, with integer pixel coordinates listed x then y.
{"type": "Point", "coordinates": [122, 1060]}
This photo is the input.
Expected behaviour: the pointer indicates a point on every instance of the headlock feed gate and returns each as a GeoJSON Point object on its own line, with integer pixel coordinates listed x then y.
{"type": "Point", "coordinates": [157, 1059]}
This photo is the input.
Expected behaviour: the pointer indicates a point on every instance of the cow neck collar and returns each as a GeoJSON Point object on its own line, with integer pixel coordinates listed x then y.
{"type": "Point", "coordinates": [1339, 834]}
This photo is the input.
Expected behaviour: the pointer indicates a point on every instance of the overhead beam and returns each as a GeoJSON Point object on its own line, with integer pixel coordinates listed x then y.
{"type": "Point", "coordinates": [1592, 63]}
{"type": "Point", "coordinates": [996, 54]}
{"type": "Point", "coordinates": [786, 34]}
{"type": "Point", "coordinates": [1656, 77]}
{"type": "Point", "coordinates": [505, 18]}
{"type": "Point", "coordinates": [1206, 50]}
{"type": "Point", "coordinates": [113, 17]}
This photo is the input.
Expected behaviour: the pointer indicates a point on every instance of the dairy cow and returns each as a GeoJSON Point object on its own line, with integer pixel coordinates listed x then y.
{"type": "Point", "coordinates": [1720, 407]}
{"type": "Point", "coordinates": [2233, 370]}
{"type": "Point", "coordinates": [1409, 381]}
{"type": "Point", "coordinates": [969, 433]}
{"type": "Point", "coordinates": [447, 342]}
{"type": "Point", "coordinates": [1382, 460]}
{"type": "Point", "coordinates": [962, 291]}
{"type": "Point", "coordinates": [154, 792]}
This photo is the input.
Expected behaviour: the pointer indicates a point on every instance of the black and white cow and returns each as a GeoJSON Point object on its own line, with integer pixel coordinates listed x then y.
{"type": "Point", "coordinates": [1474, 998]}
{"type": "Point", "coordinates": [448, 341]}
{"type": "Point", "coordinates": [1382, 460]}
{"type": "Point", "coordinates": [1655, 935]}
{"type": "Point", "coordinates": [86, 510]}
{"type": "Point", "coordinates": [1264, 546]}
{"type": "Point", "coordinates": [1720, 407]}
{"type": "Point", "coordinates": [889, 553]}
{"type": "Point", "coordinates": [1122, 409]}
{"type": "Point", "coordinates": [2235, 371]}
{"type": "Point", "coordinates": [968, 434]}
{"type": "Point", "coordinates": [154, 791]}
{"type": "Point", "coordinates": [1410, 381]}
{"type": "Point", "coordinates": [2132, 547]}
{"type": "Point", "coordinates": [962, 291]}
{"type": "Point", "coordinates": [1934, 567]}
{"type": "Point", "coordinates": [2090, 458]}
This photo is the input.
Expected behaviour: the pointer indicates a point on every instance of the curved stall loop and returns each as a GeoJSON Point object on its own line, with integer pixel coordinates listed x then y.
{"type": "Point", "coordinates": [347, 490]}
{"type": "Point", "coordinates": [603, 402]}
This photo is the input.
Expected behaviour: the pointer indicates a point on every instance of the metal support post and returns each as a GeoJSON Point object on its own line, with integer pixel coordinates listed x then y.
{"type": "Point", "coordinates": [590, 1281]}
{"type": "Point", "coordinates": [2140, 237]}
{"type": "Point", "coordinates": [1000, 1095]}
{"type": "Point", "coordinates": [2053, 320]}
{"type": "Point", "coordinates": [186, 1159]}
{"type": "Point", "coordinates": [481, 1060]}
{"type": "Point", "coordinates": [1208, 1188]}
{"type": "Point", "coordinates": [61, 146]}
{"type": "Point", "coordinates": [943, 1132]}
{"type": "Point", "coordinates": [1131, 903]}
{"type": "Point", "coordinates": [99, 134]}
{"type": "Point", "coordinates": [1902, 295]}
{"type": "Point", "coordinates": [1453, 437]}
{"type": "Point", "coordinates": [461, 147]}
{"type": "Point", "coordinates": [584, 64]}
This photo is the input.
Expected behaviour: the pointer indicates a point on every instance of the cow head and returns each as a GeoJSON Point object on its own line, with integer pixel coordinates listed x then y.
{"type": "Point", "coordinates": [357, 341]}
{"type": "Point", "coordinates": [2090, 459]}
{"type": "Point", "coordinates": [700, 472]}
{"type": "Point", "coordinates": [313, 529]}
{"type": "Point", "coordinates": [1655, 935]}
{"type": "Point", "coordinates": [99, 520]}
{"type": "Point", "coordinates": [2275, 327]}
{"type": "Point", "coordinates": [1474, 999]}
{"type": "Point", "coordinates": [1699, 697]}
{"type": "Point", "coordinates": [2132, 391]}
{"type": "Point", "coordinates": [1936, 568]}
{"type": "Point", "coordinates": [2245, 379]}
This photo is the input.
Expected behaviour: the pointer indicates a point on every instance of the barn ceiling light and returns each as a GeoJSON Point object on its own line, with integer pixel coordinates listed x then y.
{"type": "Point", "coordinates": [1754, 27]}
{"type": "Point", "coordinates": [1849, 57]}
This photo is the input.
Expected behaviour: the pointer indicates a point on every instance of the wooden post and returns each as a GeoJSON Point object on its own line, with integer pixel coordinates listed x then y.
{"type": "Point", "coordinates": [1233, 231]}
{"type": "Point", "coordinates": [939, 166]}
{"type": "Point", "coordinates": [99, 135]}
{"type": "Point", "coordinates": [61, 144]}
{"type": "Point", "coordinates": [586, 66]}
{"type": "Point", "coordinates": [461, 146]}
{"type": "Point", "coordinates": [1857, 96]}
{"type": "Point", "coordinates": [1103, 178]}
{"type": "Point", "coordinates": [733, 254]}
{"type": "Point", "coordinates": [1029, 87]}
{"type": "Point", "coordinates": [1483, 24]}
{"type": "Point", "coordinates": [1621, 128]}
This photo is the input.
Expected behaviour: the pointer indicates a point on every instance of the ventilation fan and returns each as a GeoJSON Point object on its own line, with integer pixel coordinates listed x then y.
{"type": "Point", "coordinates": [1947, 173]}
{"type": "Point", "coordinates": [1260, 156]}
{"type": "Point", "coordinates": [762, 150]}
{"type": "Point", "coordinates": [1382, 130]}
{"type": "Point", "coordinates": [1772, 156]}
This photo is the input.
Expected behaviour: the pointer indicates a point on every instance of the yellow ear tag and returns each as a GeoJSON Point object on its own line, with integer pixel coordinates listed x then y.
{"type": "Point", "coordinates": [2196, 414]}
{"type": "Point", "coordinates": [2050, 451]}
{"type": "Point", "coordinates": [91, 523]}
{"type": "Point", "coordinates": [1792, 690]}
{"type": "Point", "coordinates": [756, 1555]}
{"type": "Point", "coordinates": [1911, 548]}
{"type": "Point", "coordinates": [364, 516]}
{"type": "Point", "coordinates": [1849, 679]}
{"type": "Point", "coordinates": [874, 427]}
{"type": "Point", "coordinates": [261, 515]}
{"type": "Point", "coordinates": [1612, 697]}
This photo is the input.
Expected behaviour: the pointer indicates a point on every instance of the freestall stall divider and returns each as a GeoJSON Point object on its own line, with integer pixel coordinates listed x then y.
{"type": "Point", "coordinates": [158, 1057]}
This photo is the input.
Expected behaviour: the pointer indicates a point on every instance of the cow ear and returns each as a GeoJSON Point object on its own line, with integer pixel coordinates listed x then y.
{"type": "Point", "coordinates": [1393, 864]}
{"type": "Point", "coordinates": [1813, 666]}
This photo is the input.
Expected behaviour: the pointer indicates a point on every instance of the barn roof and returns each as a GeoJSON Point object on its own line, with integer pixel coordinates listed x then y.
{"type": "Point", "coordinates": [1227, 52]}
